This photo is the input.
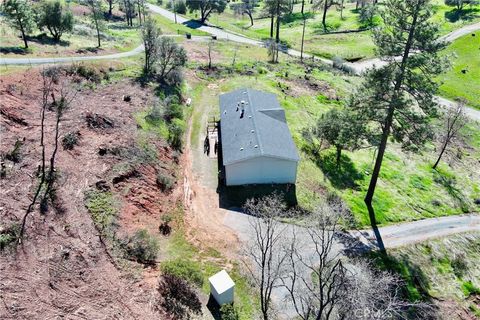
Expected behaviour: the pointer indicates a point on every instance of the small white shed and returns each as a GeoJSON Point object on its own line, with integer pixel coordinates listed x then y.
{"type": "Point", "coordinates": [257, 147]}
{"type": "Point", "coordinates": [221, 287]}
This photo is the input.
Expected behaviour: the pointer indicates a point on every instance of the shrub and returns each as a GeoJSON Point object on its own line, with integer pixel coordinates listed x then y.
{"type": "Point", "coordinates": [16, 154]}
{"type": "Point", "coordinates": [459, 264]}
{"type": "Point", "coordinates": [155, 114]}
{"type": "Point", "coordinates": [178, 298]}
{"type": "Point", "coordinates": [169, 5]}
{"type": "Point", "coordinates": [102, 208]}
{"type": "Point", "coordinates": [469, 289]}
{"type": "Point", "coordinates": [173, 110]}
{"type": "Point", "coordinates": [175, 134]}
{"type": "Point", "coordinates": [228, 312]}
{"type": "Point", "coordinates": [8, 235]}
{"type": "Point", "coordinates": [174, 78]}
{"type": "Point", "coordinates": [89, 73]}
{"type": "Point", "coordinates": [165, 181]}
{"type": "Point", "coordinates": [180, 7]}
{"type": "Point", "coordinates": [185, 269]}
{"type": "Point", "coordinates": [70, 140]}
{"type": "Point", "coordinates": [165, 228]}
{"type": "Point", "coordinates": [143, 247]}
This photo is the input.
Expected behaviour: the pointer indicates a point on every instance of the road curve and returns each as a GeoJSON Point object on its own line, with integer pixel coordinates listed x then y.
{"type": "Point", "coordinates": [360, 67]}
{"type": "Point", "coordinates": [412, 232]}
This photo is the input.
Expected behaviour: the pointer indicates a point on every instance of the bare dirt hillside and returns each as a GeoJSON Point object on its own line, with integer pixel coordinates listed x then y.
{"type": "Point", "coordinates": [62, 269]}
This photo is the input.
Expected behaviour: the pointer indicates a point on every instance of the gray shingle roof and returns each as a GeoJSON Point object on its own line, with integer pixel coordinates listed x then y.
{"type": "Point", "coordinates": [261, 131]}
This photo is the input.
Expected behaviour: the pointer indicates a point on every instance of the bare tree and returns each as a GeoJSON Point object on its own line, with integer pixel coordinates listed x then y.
{"type": "Point", "coordinates": [49, 78]}
{"type": "Point", "coordinates": [324, 284]}
{"type": "Point", "coordinates": [373, 294]}
{"type": "Point", "coordinates": [60, 105]}
{"type": "Point", "coordinates": [266, 247]}
{"type": "Point", "coordinates": [47, 86]}
{"type": "Point", "coordinates": [455, 120]}
{"type": "Point", "coordinates": [316, 278]}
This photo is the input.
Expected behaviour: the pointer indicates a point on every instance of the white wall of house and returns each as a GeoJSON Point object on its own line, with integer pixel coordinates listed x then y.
{"type": "Point", "coordinates": [261, 170]}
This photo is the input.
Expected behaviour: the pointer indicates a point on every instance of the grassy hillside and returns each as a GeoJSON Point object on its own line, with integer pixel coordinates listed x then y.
{"type": "Point", "coordinates": [348, 45]}
{"type": "Point", "coordinates": [445, 270]}
{"type": "Point", "coordinates": [463, 79]}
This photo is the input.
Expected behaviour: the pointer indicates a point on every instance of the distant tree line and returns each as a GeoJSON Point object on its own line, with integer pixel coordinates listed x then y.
{"type": "Point", "coordinates": [57, 19]}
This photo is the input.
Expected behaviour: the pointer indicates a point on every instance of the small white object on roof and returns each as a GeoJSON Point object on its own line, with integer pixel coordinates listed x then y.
{"type": "Point", "coordinates": [221, 287]}
{"type": "Point", "coordinates": [189, 102]}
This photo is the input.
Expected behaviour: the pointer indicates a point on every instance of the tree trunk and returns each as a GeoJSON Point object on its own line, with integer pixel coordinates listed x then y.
{"type": "Point", "coordinates": [444, 147]}
{"type": "Point", "coordinates": [324, 17]}
{"type": "Point", "coordinates": [271, 26]}
{"type": "Point", "coordinates": [303, 29]}
{"type": "Point", "coordinates": [339, 156]}
{"type": "Point", "coordinates": [110, 7]}
{"type": "Point", "coordinates": [374, 178]}
{"type": "Point", "coordinates": [98, 32]}
{"type": "Point", "coordinates": [251, 18]}
{"type": "Point", "coordinates": [386, 132]}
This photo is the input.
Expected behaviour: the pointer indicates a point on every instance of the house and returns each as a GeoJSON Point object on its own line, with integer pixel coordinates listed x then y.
{"type": "Point", "coordinates": [256, 144]}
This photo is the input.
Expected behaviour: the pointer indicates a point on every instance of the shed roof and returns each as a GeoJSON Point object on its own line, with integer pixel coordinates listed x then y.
{"type": "Point", "coordinates": [221, 281]}
{"type": "Point", "coordinates": [259, 130]}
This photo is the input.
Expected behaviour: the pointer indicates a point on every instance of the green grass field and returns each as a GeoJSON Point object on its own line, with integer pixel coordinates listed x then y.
{"type": "Point", "coordinates": [356, 45]}
{"type": "Point", "coordinates": [463, 79]}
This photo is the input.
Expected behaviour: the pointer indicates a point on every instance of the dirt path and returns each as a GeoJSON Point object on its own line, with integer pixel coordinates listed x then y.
{"type": "Point", "coordinates": [203, 215]}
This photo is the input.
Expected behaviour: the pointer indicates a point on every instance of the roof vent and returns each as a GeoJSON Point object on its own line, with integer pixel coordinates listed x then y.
{"type": "Point", "coordinates": [241, 149]}
{"type": "Point", "coordinates": [256, 146]}
{"type": "Point", "coordinates": [252, 131]}
{"type": "Point", "coordinates": [249, 117]}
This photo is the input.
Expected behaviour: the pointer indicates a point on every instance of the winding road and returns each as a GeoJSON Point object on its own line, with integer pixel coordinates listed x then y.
{"type": "Point", "coordinates": [358, 67]}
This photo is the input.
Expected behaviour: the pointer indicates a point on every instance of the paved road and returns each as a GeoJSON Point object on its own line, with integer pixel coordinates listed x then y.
{"type": "Point", "coordinates": [394, 236]}
{"type": "Point", "coordinates": [360, 67]}
{"type": "Point", "coordinates": [52, 60]}
{"type": "Point", "coordinates": [113, 56]}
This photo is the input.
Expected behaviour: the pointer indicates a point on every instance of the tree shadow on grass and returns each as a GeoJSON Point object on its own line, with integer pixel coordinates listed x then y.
{"type": "Point", "coordinates": [450, 184]}
{"type": "Point", "coordinates": [465, 14]}
{"type": "Point", "coordinates": [416, 283]}
{"type": "Point", "coordinates": [296, 16]}
{"type": "Point", "coordinates": [46, 40]}
{"type": "Point", "coordinates": [341, 177]}
{"type": "Point", "coordinates": [192, 24]}
{"type": "Point", "coordinates": [14, 50]}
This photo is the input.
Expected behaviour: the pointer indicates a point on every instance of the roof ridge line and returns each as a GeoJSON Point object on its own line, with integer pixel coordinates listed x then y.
{"type": "Point", "coordinates": [250, 104]}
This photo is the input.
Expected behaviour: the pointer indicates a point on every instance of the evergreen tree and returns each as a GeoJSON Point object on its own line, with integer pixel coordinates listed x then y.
{"type": "Point", "coordinates": [20, 16]}
{"type": "Point", "coordinates": [397, 99]}
{"type": "Point", "coordinates": [340, 129]}
{"type": "Point", "coordinates": [55, 18]}
{"type": "Point", "coordinates": [206, 7]}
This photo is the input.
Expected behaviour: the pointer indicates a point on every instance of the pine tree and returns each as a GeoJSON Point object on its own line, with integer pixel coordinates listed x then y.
{"type": "Point", "coordinates": [397, 99]}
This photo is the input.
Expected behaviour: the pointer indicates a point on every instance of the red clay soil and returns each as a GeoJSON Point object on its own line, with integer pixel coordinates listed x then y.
{"type": "Point", "coordinates": [62, 269]}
